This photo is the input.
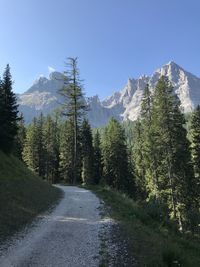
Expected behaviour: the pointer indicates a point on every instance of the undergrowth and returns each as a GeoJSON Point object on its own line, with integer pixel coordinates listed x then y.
{"type": "Point", "coordinates": [153, 239]}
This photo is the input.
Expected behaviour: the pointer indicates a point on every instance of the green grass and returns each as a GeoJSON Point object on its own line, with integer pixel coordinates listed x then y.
{"type": "Point", "coordinates": [22, 195]}
{"type": "Point", "coordinates": [152, 242]}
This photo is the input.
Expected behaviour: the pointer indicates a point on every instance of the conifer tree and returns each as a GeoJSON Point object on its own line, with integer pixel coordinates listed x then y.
{"type": "Point", "coordinates": [87, 153]}
{"type": "Point", "coordinates": [34, 150]}
{"type": "Point", "coordinates": [20, 138]}
{"type": "Point", "coordinates": [175, 177]}
{"type": "Point", "coordinates": [2, 115]}
{"type": "Point", "coordinates": [66, 162]}
{"type": "Point", "coordinates": [195, 139]}
{"type": "Point", "coordinates": [97, 158]}
{"type": "Point", "coordinates": [41, 146]}
{"type": "Point", "coordinates": [30, 150]}
{"type": "Point", "coordinates": [150, 156]}
{"type": "Point", "coordinates": [51, 146]}
{"type": "Point", "coordinates": [115, 157]}
{"type": "Point", "coordinates": [139, 161]}
{"type": "Point", "coordinates": [74, 105]}
{"type": "Point", "coordinates": [8, 113]}
{"type": "Point", "coordinates": [146, 106]}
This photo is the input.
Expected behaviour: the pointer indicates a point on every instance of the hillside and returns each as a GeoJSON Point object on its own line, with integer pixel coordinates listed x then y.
{"type": "Point", "coordinates": [22, 195]}
{"type": "Point", "coordinates": [152, 239]}
{"type": "Point", "coordinates": [125, 104]}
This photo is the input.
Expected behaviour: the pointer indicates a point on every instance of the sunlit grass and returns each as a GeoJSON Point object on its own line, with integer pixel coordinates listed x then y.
{"type": "Point", "coordinates": [152, 242]}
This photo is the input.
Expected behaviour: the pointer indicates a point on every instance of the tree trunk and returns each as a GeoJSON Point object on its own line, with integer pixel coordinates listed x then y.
{"type": "Point", "coordinates": [173, 198]}
{"type": "Point", "coordinates": [75, 133]}
{"type": "Point", "coordinates": [75, 149]}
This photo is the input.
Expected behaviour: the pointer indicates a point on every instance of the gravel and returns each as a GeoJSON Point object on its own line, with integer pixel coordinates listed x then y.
{"type": "Point", "coordinates": [118, 250]}
{"type": "Point", "coordinates": [68, 236]}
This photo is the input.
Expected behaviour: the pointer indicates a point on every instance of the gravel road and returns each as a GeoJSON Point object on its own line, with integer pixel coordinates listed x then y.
{"type": "Point", "coordinates": [68, 236]}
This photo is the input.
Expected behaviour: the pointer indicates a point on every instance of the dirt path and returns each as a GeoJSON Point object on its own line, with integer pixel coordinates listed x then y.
{"type": "Point", "coordinates": [68, 236]}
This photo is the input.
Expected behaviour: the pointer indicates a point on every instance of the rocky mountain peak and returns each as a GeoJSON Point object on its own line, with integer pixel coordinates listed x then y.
{"type": "Point", "coordinates": [42, 79]}
{"type": "Point", "coordinates": [55, 75]}
{"type": "Point", "coordinates": [42, 96]}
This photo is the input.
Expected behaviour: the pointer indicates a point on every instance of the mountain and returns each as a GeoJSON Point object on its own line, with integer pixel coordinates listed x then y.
{"type": "Point", "coordinates": [42, 96]}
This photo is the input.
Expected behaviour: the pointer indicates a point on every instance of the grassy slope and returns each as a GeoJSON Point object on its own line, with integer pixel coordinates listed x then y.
{"type": "Point", "coordinates": [22, 195]}
{"type": "Point", "coordinates": [151, 243]}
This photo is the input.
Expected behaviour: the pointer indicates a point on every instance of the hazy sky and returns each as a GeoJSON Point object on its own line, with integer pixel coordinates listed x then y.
{"type": "Point", "coordinates": [113, 39]}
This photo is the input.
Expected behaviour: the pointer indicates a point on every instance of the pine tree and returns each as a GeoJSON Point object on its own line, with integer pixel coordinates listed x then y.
{"type": "Point", "coordinates": [34, 150]}
{"type": "Point", "coordinates": [146, 106]}
{"type": "Point", "coordinates": [2, 115]}
{"type": "Point", "coordinates": [97, 158]}
{"type": "Point", "coordinates": [195, 139]}
{"type": "Point", "coordinates": [139, 161]}
{"type": "Point", "coordinates": [67, 152]}
{"type": "Point", "coordinates": [129, 128]}
{"type": "Point", "coordinates": [174, 171]}
{"type": "Point", "coordinates": [74, 105]}
{"type": "Point", "coordinates": [195, 149]}
{"type": "Point", "coordinates": [115, 157]}
{"type": "Point", "coordinates": [41, 146]}
{"type": "Point", "coordinates": [150, 155]}
{"type": "Point", "coordinates": [144, 151]}
{"type": "Point", "coordinates": [30, 150]}
{"type": "Point", "coordinates": [87, 153]}
{"type": "Point", "coordinates": [8, 113]}
{"type": "Point", "coordinates": [51, 147]}
{"type": "Point", "coordinates": [20, 138]}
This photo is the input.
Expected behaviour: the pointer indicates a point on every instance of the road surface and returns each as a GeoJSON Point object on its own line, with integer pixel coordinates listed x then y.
{"type": "Point", "coordinates": [66, 237]}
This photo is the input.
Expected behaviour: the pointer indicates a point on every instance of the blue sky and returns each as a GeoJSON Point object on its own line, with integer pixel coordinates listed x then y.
{"type": "Point", "coordinates": [113, 39]}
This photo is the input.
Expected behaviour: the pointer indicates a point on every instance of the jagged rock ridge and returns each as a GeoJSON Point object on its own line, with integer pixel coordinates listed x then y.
{"type": "Point", "coordinates": [123, 105]}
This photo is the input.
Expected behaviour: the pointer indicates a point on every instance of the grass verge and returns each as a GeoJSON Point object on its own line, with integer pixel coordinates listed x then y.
{"type": "Point", "coordinates": [22, 195]}
{"type": "Point", "coordinates": [151, 243]}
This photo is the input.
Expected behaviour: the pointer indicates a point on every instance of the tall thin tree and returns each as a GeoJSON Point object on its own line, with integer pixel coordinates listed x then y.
{"type": "Point", "coordinates": [66, 156]}
{"type": "Point", "coordinates": [87, 152]}
{"type": "Point", "coordinates": [98, 167]}
{"type": "Point", "coordinates": [115, 157]}
{"type": "Point", "coordinates": [195, 139]}
{"type": "Point", "coordinates": [74, 106]}
{"type": "Point", "coordinates": [8, 112]}
{"type": "Point", "coordinates": [174, 169]}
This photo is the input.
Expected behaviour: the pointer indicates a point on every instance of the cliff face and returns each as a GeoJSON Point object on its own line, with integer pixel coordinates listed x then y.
{"type": "Point", "coordinates": [122, 105]}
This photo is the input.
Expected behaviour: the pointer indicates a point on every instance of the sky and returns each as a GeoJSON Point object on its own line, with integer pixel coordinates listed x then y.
{"type": "Point", "coordinates": [113, 39]}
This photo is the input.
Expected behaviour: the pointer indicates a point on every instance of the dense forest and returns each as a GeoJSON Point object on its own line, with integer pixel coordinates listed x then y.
{"type": "Point", "coordinates": [155, 160]}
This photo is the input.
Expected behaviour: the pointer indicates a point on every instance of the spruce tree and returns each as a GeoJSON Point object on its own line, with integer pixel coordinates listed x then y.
{"type": "Point", "coordinates": [195, 140]}
{"type": "Point", "coordinates": [41, 146]}
{"type": "Point", "coordinates": [195, 149]}
{"type": "Point", "coordinates": [175, 176]}
{"type": "Point", "coordinates": [34, 151]}
{"type": "Point", "coordinates": [87, 153]}
{"type": "Point", "coordinates": [146, 105]}
{"type": "Point", "coordinates": [115, 158]}
{"type": "Point", "coordinates": [51, 147]}
{"type": "Point", "coordinates": [8, 113]}
{"type": "Point", "coordinates": [74, 106]}
{"type": "Point", "coordinates": [2, 116]}
{"type": "Point", "coordinates": [30, 150]}
{"type": "Point", "coordinates": [149, 152]}
{"type": "Point", "coordinates": [97, 158]}
{"type": "Point", "coordinates": [66, 162]}
{"type": "Point", "coordinates": [139, 161]}
{"type": "Point", "coordinates": [142, 145]}
{"type": "Point", "coordinates": [20, 138]}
